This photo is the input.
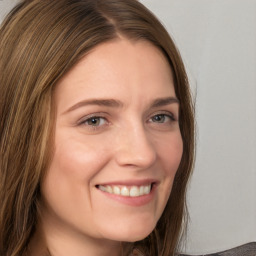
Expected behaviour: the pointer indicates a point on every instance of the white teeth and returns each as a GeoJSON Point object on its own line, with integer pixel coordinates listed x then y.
{"type": "Point", "coordinates": [141, 190]}
{"type": "Point", "coordinates": [146, 189]}
{"type": "Point", "coordinates": [116, 190]}
{"type": "Point", "coordinates": [125, 191]}
{"type": "Point", "coordinates": [109, 189]}
{"type": "Point", "coordinates": [133, 191]}
{"type": "Point", "coordinates": [102, 188]}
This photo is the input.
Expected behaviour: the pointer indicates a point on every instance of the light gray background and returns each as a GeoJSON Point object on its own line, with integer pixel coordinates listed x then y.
{"type": "Point", "coordinates": [217, 39]}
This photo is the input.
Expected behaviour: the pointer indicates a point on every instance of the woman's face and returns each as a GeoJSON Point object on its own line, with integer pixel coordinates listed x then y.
{"type": "Point", "coordinates": [117, 144]}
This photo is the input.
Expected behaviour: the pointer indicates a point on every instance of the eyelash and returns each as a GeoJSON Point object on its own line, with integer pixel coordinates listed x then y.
{"type": "Point", "coordinates": [99, 117]}
{"type": "Point", "coordinates": [169, 115]}
{"type": "Point", "coordinates": [90, 118]}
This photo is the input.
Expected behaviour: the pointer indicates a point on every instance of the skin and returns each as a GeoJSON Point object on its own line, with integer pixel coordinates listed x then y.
{"type": "Point", "coordinates": [128, 141]}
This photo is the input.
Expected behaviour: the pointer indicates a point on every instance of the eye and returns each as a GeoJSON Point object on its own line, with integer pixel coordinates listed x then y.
{"type": "Point", "coordinates": [162, 118]}
{"type": "Point", "coordinates": [94, 121]}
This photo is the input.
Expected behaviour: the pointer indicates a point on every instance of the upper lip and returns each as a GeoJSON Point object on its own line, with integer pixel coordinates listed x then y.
{"type": "Point", "coordinates": [130, 182]}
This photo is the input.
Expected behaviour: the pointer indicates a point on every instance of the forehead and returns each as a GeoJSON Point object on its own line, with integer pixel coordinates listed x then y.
{"type": "Point", "coordinates": [119, 66]}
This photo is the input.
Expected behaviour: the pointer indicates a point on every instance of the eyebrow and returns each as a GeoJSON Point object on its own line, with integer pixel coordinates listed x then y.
{"type": "Point", "coordinates": [164, 101]}
{"type": "Point", "coordinates": [118, 104]}
{"type": "Point", "coordinates": [97, 102]}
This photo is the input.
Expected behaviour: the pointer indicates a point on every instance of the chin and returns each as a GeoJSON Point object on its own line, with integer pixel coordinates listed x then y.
{"type": "Point", "coordinates": [130, 233]}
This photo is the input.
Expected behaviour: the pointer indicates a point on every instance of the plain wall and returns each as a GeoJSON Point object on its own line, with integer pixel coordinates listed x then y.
{"type": "Point", "coordinates": [217, 39]}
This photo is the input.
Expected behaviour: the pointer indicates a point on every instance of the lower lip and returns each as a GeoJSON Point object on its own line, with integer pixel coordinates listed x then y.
{"type": "Point", "coordinates": [132, 201]}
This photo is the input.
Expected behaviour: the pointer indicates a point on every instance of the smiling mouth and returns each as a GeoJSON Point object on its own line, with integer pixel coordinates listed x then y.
{"type": "Point", "coordinates": [127, 191]}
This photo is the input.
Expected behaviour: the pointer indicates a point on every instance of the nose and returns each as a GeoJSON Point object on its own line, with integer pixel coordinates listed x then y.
{"type": "Point", "coordinates": [135, 148]}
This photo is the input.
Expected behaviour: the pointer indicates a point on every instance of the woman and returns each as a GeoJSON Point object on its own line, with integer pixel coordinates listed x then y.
{"type": "Point", "coordinates": [97, 132]}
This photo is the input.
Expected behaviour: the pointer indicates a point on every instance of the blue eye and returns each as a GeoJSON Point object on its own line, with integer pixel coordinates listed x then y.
{"type": "Point", "coordinates": [162, 118]}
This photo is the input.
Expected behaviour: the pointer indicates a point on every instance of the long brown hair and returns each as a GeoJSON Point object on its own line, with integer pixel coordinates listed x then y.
{"type": "Point", "coordinates": [40, 40]}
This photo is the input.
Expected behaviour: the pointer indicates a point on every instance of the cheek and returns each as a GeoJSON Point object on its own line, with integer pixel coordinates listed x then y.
{"type": "Point", "coordinates": [68, 184]}
{"type": "Point", "coordinates": [69, 179]}
{"type": "Point", "coordinates": [170, 153]}
{"type": "Point", "coordinates": [75, 158]}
